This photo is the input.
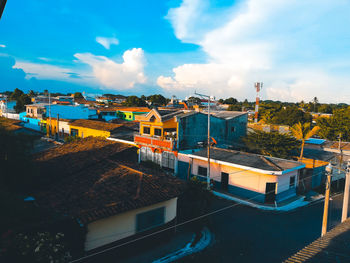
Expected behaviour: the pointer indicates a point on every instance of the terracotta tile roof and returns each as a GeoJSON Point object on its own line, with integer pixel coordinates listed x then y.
{"type": "Point", "coordinates": [96, 125]}
{"type": "Point", "coordinates": [9, 124]}
{"type": "Point", "coordinates": [96, 181]}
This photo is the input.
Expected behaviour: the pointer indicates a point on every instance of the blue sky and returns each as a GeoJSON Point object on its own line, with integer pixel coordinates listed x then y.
{"type": "Point", "coordinates": [299, 49]}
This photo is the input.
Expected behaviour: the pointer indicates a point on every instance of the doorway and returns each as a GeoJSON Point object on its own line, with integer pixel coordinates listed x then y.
{"type": "Point", "coordinates": [224, 181]}
{"type": "Point", "coordinates": [270, 193]}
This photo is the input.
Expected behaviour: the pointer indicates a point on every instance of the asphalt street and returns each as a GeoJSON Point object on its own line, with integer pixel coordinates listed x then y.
{"type": "Point", "coordinates": [244, 234]}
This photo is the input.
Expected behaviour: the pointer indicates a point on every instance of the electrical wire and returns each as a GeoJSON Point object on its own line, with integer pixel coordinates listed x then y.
{"type": "Point", "coordinates": [168, 228]}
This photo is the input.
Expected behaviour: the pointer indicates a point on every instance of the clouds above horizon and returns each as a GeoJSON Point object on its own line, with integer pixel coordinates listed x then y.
{"type": "Point", "coordinates": [117, 76]}
{"type": "Point", "coordinates": [106, 42]}
{"type": "Point", "coordinates": [297, 48]}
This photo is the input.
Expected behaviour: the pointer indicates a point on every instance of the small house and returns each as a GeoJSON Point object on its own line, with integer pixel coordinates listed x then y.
{"type": "Point", "coordinates": [259, 178]}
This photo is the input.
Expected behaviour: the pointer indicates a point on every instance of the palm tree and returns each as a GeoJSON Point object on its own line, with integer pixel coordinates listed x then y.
{"type": "Point", "coordinates": [303, 132]}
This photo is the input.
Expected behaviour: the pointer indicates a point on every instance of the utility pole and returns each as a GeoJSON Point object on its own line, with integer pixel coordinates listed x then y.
{"type": "Point", "coordinates": [208, 152]}
{"type": "Point", "coordinates": [344, 215]}
{"type": "Point", "coordinates": [326, 199]}
{"type": "Point", "coordinates": [258, 87]}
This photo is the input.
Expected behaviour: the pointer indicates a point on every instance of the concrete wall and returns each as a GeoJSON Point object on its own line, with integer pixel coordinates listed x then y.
{"type": "Point", "coordinates": [70, 112]}
{"type": "Point", "coordinates": [247, 184]}
{"type": "Point", "coordinates": [194, 128]}
{"type": "Point", "coordinates": [86, 132]}
{"type": "Point", "coordinates": [120, 226]}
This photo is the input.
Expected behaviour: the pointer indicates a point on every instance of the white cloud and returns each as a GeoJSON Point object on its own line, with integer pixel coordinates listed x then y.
{"type": "Point", "coordinates": [45, 59]}
{"type": "Point", "coordinates": [289, 45]}
{"type": "Point", "coordinates": [42, 71]}
{"type": "Point", "coordinates": [107, 41]}
{"type": "Point", "coordinates": [3, 46]}
{"type": "Point", "coordinates": [117, 76]}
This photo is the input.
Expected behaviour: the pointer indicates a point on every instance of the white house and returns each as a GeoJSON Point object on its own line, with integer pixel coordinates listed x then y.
{"type": "Point", "coordinates": [246, 175]}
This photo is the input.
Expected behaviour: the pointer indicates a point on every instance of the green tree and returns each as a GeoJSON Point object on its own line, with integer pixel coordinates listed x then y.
{"type": "Point", "coordinates": [134, 101]}
{"type": "Point", "coordinates": [78, 95]}
{"type": "Point", "coordinates": [303, 132]}
{"type": "Point", "coordinates": [291, 115]}
{"type": "Point", "coordinates": [31, 93]}
{"type": "Point", "coordinates": [271, 143]}
{"type": "Point", "coordinates": [16, 94]}
{"type": "Point", "coordinates": [157, 99]}
{"type": "Point", "coordinates": [230, 101]}
{"type": "Point", "coordinates": [338, 123]}
{"type": "Point", "coordinates": [46, 93]}
{"type": "Point", "coordinates": [325, 108]}
{"type": "Point", "coordinates": [21, 103]}
{"type": "Point", "coordinates": [194, 101]}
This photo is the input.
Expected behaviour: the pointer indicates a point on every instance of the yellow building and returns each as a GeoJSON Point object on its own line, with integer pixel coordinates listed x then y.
{"type": "Point", "coordinates": [154, 123]}
{"type": "Point", "coordinates": [86, 128]}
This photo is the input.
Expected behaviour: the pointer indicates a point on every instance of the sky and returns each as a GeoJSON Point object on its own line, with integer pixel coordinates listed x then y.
{"type": "Point", "coordinates": [298, 49]}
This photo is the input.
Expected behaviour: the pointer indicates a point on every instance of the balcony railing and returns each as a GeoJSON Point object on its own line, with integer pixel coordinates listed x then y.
{"type": "Point", "coordinates": [155, 141]}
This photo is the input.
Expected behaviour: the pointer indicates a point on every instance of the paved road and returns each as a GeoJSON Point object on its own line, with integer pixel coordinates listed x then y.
{"type": "Point", "coordinates": [244, 234]}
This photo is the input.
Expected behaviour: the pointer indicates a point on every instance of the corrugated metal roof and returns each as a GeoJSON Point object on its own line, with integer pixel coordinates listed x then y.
{"type": "Point", "coordinates": [249, 159]}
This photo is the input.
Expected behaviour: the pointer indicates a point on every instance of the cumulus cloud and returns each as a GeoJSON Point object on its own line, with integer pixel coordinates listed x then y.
{"type": "Point", "coordinates": [107, 41]}
{"type": "Point", "coordinates": [113, 75]}
{"type": "Point", "coordinates": [289, 45]}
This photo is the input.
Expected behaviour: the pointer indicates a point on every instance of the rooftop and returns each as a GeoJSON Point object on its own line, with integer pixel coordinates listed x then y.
{"type": "Point", "coordinates": [9, 124]}
{"type": "Point", "coordinates": [249, 160]}
{"type": "Point", "coordinates": [131, 109]}
{"type": "Point", "coordinates": [332, 247]}
{"type": "Point", "coordinates": [227, 114]}
{"type": "Point", "coordinates": [96, 125]}
{"type": "Point", "coordinates": [100, 179]}
{"type": "Point", "coordinates": [335, 145]}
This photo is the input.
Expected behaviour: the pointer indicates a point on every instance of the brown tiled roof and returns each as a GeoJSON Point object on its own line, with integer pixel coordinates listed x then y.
{"type": "Point", "coordinates": [9, 124]}
{"type": "Point", "coordinates": [96, 181]}
{"type": "Point", "coordinates": [96, 125]}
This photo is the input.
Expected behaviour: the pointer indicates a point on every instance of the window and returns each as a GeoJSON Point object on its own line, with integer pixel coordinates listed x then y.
{"type": "Point", "coordinates": [150, 219]}
{"type": "Point", "coordinates": [292, 182]}
{"type": "Point", "coordinates": [74, 132]}
{"type": "Point", "coordinates": [146, 130]}
{"type": "Point", "coordinates": [202, 171]}
{"type": "Point", "coordinates": [232, 129]}
{"type": "Point", "coordinates": [158, 132]}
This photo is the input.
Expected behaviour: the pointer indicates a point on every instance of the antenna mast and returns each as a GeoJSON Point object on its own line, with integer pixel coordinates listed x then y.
{"type": "Point", "coordinates": [258, 87]}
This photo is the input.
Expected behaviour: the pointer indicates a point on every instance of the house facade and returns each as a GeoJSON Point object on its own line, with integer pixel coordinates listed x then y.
{"type": "Point", "coordinates": [121, 226]}
{"type": "Point", "coordinates": [163, 133]}
{"type": "Point", "coordinates": [86, 128]}
{"type": "Point", "coordinates": [251, 176]}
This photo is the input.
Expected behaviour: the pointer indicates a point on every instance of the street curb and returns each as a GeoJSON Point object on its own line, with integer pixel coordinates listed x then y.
{"type": "Point", "coordinates": [188, 249]}
{"type": "Point", "coordinates": [282, 209]}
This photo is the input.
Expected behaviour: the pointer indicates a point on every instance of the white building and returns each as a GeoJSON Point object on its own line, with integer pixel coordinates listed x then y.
{"type": "Point", "coordinates": [256, 177]}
